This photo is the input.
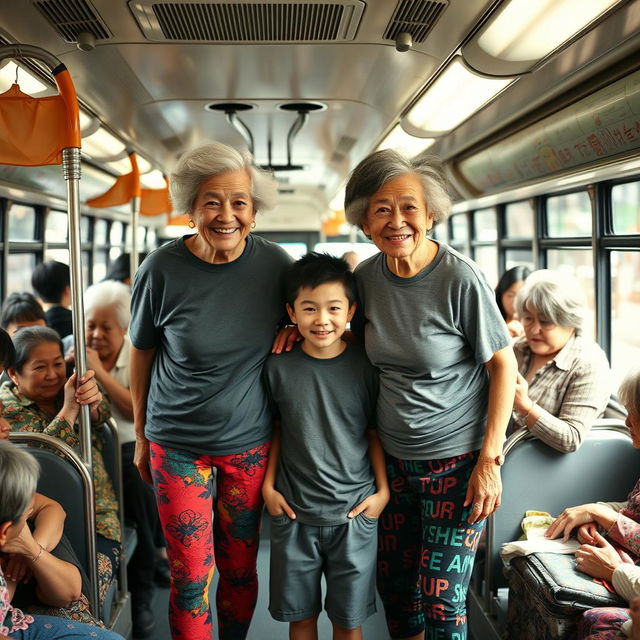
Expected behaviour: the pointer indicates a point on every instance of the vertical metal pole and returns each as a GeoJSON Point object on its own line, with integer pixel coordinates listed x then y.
{"type": "Point", "coordinates": [135, 216]}
{"type": "Point", "coordinates": [71, 170]}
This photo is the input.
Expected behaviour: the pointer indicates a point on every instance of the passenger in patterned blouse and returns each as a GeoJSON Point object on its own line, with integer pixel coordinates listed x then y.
{"type": "Point", "coordinates": [563, 376]}
{"type": "Point", "coordinates": [18, 478]}
{"type": "Point", "coordinates": [40, 399]}
{"type": "Point", "coordinates": [619, 523]}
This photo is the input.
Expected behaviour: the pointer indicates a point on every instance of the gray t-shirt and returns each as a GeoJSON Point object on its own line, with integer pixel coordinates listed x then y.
{"type": "Point", "coordinates": [325, 407]}
{"type": "Point", "coordinates": [429, 336]}
{"type": "Point", "coordinates": [213, 326]}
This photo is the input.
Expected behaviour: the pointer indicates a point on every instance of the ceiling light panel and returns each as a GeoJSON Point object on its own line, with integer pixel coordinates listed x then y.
{"type": "Point", "coordinates": [28, 84]}
{"type": "Point", "coordinates": [405, 143]}
{"type": "Point", "coordinates": [453, 97]}
{"type": "Point", "coordinates": [102, 144]}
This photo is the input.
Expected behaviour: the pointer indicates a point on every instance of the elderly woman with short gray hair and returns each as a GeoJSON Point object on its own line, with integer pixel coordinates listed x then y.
{"type": "Point", "coordinates": [563, 380]}
{"type": "Point", "coordinates": [205, 309]}
{"type": "Point", "coordinates": [447, 376]}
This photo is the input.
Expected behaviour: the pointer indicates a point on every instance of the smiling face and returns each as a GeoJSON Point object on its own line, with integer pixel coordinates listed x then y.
{"type": "Point", "coordinates": [43, 374]}
{"type": "Point", "coordinates": [104, 334]}
{"type": "Point", "coordinates": [322, 314]}
{"type": "Point", "coordinates": [397, 218]}
{"type": "Point", "coordinates": [543, 336]}
{"type": "Point", "coordinates": [223, 212]}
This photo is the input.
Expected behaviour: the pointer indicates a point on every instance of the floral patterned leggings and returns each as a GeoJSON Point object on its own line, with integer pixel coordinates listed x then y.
{"type": "Point", "coordinates": [183, 484]}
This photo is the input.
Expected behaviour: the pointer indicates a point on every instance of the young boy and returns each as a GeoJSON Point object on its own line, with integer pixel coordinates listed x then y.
{"type": "Point", "coordinates": [326, 483]}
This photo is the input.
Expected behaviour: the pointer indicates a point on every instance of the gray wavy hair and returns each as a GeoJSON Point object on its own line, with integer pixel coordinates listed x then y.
{"type": "Point", "coordinates": [556, 297]}
{"type": "Point", "coordinates": [629, 391]}
{"type": "Point", "coordinates": [380, 167]}
{"type": "Point", "coordinates": [110, 294]}
{"type": "Point", "coordinates": [212, 159]}
{"type": "Point", "coordinates": [19, 472]}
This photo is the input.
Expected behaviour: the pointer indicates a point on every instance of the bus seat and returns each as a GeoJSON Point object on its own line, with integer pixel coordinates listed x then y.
{"type": "Point", "coordinates": [535, 476]}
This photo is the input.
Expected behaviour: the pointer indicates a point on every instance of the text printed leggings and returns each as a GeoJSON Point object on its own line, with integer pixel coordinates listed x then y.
{"type": "Point", "coordinates": [426, 548]}
{"type": "Point", "coordinates": [183, 485]}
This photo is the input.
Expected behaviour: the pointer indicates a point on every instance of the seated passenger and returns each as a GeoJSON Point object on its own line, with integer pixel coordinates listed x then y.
{"type": "Point", "coordinates": [18, 478]}
{"type": "Point", "coordinates": [508, 286]}
{"type": "Point", "coordinates": [620, 523]}
{"type": "Point", "coordinates": [120, 268]}
{"type": "Point", "coordinates": [108, 348]}
{"type": "Point", "coordinates": [563, 380]}
{"type": "Point", "coordinates": [51, 282]}
{"type": "Point", "coordinates": [21, 310]}
{"type": "Point", "coordinates": [40, 399]}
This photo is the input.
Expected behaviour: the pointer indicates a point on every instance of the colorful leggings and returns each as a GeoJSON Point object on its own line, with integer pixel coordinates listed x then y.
{"type": "Point", "coordinates": [603, 623]}
{"type": "Point", "coordinates": [183, 486]}
{"type": "Point", "coordinates": [426, 548]}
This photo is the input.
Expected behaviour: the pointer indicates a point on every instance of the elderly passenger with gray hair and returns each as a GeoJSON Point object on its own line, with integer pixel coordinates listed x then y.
{"type": "Point", "coordinates": [205, 309]}
{"type": "Point", "coordinates": [563, 380]}
{"type": "Point", "coordinates": [19, 472]}
{"type": "Point", "coordinates": [447, 376]}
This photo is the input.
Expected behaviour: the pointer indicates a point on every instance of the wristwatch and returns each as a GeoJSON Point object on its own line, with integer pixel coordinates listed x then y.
{"type": "Point", "coordinates": [498, 460]}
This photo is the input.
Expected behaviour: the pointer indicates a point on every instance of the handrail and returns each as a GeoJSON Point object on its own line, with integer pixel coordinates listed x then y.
{"type": "Point", "coordinates": [59, 447]}
{"type": "Point", "coordinates": [71, 172]}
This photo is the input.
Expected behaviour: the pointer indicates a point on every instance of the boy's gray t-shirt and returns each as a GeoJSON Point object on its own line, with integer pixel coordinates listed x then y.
{"type": "Point", "coordinates": [213, 326]}
{"type": "Point", "coordinates": [429, 336]}
{"type": "Point", "coordinates": [325, 407]}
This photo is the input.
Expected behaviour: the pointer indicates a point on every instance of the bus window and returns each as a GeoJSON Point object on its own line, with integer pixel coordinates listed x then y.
{"type": "Point", "coordinates": [22, 223]}
{"type": "Point", "coordinates": [515, 257]}
{"type": "Point", "coordinates": [459, 228]}
{"type": "Point", "coordinates": [56, 230]}
{"type": "Point", "coordinates": [99, 265]}
{"type": "Point", "coordinates": [625, 311]}
{"type": "Point", "coordinates": [100, 232]}
{"type": "Point", "coordinates": [484, 225]}
{"type": "Point", "coordinates": [569, 215]}
{"type": "Point", "coordinates": [579, 264]}
{"type": "Point", "coordinates": [487, 259]}
{"type": "Point", "coordinates": [626, 207]}
{"type": "Point", "coordinates": [61, 255]}
{"type": "Point", "coordinates": [20, 266]}
{"type": "Point", "coordinates": [519, 220]}
{"type": "Point", "coordinates": [295, 249]}
{"type": "Point", "coordinates": [116, 235]}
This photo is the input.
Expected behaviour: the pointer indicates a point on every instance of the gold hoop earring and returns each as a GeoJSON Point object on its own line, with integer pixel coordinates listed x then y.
{"type": "Point", "coordinates": [253, 224]}
{"type": "Point", "coordinates": [191, 224]}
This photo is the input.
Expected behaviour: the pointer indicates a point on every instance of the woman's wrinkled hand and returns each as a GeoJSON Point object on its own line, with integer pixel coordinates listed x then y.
{"type": "Point", "coordinates": [93, 360]}
{"type": "Point", "coordinates": [21, 550]}
{"type": "Point", "coordinates": [572, 518]}
{"type": "Point", "coordinates": [484, 491]}
{"type": "Point", "coordinates": [515, 328]}
{"type": "Point", "coordinates": [522, 403]}
{"type": "Point", "coordinates": [585, 533]}
{"type": "Point", "coordinates": [285, 339]}
{"type": "Point", "coordinates": [598, 560]}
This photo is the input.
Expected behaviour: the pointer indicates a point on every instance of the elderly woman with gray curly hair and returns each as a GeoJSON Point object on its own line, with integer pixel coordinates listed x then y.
{"type": "Point", "coordinates": [447, 379]}
{"type": "Point", "coordinates": [205, 309]}
{"type": "Point", "coordinates": [563, 376]}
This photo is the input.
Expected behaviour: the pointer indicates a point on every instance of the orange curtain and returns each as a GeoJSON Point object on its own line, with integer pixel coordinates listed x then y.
{"type": "Point", "coordinates": [34, 131]}
{"type": "Point", "coordinates": [153, 202]}
{"type": "Point", "coordinates": [332, 226]}
{"type": "Point", "coordinates": [178, 221]}
{"type": "Point", "coordinates": [125, 188]}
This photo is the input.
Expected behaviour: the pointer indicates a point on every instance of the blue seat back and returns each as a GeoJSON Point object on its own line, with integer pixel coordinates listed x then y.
{"type": "Point", "coordinates": [537, 477]}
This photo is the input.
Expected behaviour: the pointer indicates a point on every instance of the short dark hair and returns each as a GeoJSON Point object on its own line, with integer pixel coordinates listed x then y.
{"type": "Point", "coordinates": [314, 269]}
{"type": "Point", "coordinates": [20, 307]}
{"type": "Point", "coordinates": [515, 274]}
{"type": "Point", "coordinates": [7, 350]}
{"type": "Point", "coordinates": [27, 339]}
{"type": "Point", "coordinates": [49, 280]}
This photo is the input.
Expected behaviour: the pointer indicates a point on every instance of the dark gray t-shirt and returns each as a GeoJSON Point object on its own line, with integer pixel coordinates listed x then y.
{"type": "Point", "coordinates": [213, 326]}
{"type": "Point", "coordinates": [429, 336]}
{"type": "Point", "coordinates": [325, 408]}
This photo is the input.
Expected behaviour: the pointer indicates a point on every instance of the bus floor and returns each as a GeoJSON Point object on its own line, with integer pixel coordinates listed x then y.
{"type": "Point", "coordinates": [263, 626]}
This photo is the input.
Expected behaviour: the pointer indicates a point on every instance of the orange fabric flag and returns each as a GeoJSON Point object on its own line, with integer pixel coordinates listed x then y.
{"type": "Point", "coordinates": [182, 220]}
{"type": "Point", "coordinates": [125, 188]}
{"type": "Point", "coordinates": [34, 131]}
{"type": "Point", "coordinates": [153, 202]}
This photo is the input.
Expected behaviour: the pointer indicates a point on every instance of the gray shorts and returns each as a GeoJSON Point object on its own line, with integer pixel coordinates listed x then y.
{"type": "Point", "coordinates": [345, 554]}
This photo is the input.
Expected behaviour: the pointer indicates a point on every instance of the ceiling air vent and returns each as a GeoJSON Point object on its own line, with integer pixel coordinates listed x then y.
{"type": "Point", "coordinates": [416, 17]}
{"type": "Point", "coordinates": [71, 17]}
{"type": "Point", "coordinates": [248, 21]}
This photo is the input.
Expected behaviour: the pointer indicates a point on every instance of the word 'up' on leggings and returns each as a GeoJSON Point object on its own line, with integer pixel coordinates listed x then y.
{"type": "Point", "coordinates": [426, 547]}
